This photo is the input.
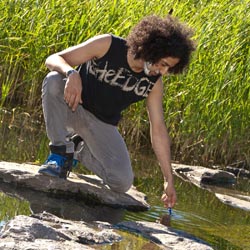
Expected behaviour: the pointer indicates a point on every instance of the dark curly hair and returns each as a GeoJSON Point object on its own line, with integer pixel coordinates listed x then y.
{"type": "Point", "coordinates": [154, 38]}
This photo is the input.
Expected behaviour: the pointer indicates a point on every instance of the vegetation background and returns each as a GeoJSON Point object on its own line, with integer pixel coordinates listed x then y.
{"type": "Point", "coordinates": [206, 110]}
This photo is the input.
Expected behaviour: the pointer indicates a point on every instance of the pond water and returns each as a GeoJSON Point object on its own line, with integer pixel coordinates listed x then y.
{"type": "Point", "coordinates": [197, 211]}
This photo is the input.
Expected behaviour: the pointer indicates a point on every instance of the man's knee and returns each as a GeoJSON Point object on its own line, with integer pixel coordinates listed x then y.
{"type": "Point", "coordinates": [53, 84]}
{"type": "Point", "coordinates": [120, 183]}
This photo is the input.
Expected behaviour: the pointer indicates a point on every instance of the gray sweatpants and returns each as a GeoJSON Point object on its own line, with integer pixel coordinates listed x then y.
{"type": "Point", "coordinates": [104, 151]}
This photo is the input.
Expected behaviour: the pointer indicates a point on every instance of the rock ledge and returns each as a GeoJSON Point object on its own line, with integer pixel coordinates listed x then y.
{"type": "Point", "coordinates": [88, 188]}
{"type": "Point", "coordinates": [45, 231]}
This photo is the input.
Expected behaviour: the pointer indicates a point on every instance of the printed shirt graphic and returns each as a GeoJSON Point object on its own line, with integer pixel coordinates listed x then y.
{"type": "Point", "coordinates": [121, 78]}
{"type": "Point", "coordinates": [110, 86]}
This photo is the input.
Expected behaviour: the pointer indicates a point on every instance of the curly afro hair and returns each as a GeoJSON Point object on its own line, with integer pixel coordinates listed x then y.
{"type": "Point", "coordinates": [154, 38]}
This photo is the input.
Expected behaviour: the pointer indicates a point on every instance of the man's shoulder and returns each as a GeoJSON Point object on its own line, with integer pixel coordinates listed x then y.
{"type": "Point", "coordinates": [118, 39]}
{"type": "Point", "coordinates": [117, 45]}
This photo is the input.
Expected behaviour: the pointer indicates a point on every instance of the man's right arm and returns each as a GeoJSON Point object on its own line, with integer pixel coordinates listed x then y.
{"type": "Point", "coordinates": [67, 59]}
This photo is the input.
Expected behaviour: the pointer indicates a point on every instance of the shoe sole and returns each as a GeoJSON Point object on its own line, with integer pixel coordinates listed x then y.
{"type": "Point", "coordinates": [48, 173]}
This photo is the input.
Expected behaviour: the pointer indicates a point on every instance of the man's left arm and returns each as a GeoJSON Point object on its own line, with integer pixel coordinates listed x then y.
{"type": "Point", "coordinates": [161, 142]}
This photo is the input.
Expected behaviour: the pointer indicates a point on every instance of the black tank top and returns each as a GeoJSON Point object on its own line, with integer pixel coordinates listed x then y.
{"type": "Point", "coordinates": [109, 84]}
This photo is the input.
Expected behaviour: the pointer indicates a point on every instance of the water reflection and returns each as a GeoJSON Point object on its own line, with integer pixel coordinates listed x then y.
{"type": "Point", "coordinates": [67, 209]}
{"type": "Point", "coordinates": [36, 202]}
{"type": "Point", "coordinates": [200, 213]}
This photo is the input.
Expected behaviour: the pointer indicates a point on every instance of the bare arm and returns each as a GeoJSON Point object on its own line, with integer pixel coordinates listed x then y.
{"type": "Point", "coordinates": [67, 59]}
{"type": "Point", "coordinates": [161, 142]}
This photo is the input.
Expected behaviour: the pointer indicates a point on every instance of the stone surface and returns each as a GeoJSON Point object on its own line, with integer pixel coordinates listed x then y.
{"type": "Point", "coordinates": [82, 187]}
{"type": "Point", "coordinates": [203, 176]}
{"type": "Point", "coordinates": [41, 244]}
{"type": "Point", "coordinates": [70, 209]}
{"type": "Point", "coordinates": [46, 231]}
{"type": "Point", "coordinates": [167, 237]}
{"type": "Point", "coordinates": [239, 172]}
{"type": "Point", "coordinates": [242, 202]}
{"type": "Point", "coordinates": [209, 178]}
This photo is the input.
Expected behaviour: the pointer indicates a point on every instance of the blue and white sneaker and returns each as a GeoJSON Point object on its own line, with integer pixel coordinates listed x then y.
{"type": "Point", "coordinates": [57, 165]}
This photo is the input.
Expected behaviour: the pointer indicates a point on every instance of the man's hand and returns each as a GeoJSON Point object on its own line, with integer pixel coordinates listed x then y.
{"type": "Point", "coordinates": [73, 91]}
{"type": "Point", "coordinates": [169, 197]}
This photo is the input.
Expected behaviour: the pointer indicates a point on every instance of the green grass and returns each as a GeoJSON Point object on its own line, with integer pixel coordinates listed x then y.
{"type": "Point", "coordinates": [207, 109]}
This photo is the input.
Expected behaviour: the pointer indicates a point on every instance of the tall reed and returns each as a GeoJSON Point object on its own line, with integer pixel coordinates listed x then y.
{"type": "Point", "coordinates": [206, 110]}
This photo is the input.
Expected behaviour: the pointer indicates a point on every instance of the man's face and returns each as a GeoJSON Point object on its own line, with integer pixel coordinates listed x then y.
{"type": "Point", "coordinates": [161, 67]}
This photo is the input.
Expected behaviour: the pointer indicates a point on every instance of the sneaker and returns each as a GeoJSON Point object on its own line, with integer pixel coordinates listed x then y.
{"type": "Point", "coordinates": [58, 164]}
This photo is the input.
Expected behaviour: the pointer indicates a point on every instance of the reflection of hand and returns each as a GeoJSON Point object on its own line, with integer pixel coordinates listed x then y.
{"type": "Point", "coordinates": [73, 91]}
{"type": "Point", "coordinates": [169, 197]}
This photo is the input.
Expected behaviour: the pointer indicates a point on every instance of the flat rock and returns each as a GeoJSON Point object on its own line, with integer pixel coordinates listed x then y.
{"type": "Point", "coordinates": [88, 188]}
{"type": "Point", "coordinates": [167, 237]}
{"type": "Point", "coordinates": [239, 172]}
{"type": "Point", "coordinates": [209, 178]}
{"type": "Point", "coordinates": [40, 244]}
{"type": "Point", "coordinates": [203, 176]}
{"type": "Point", "coordinates": [241, 201]}
{"type": "Point", "coordinates": [46, 231]}
{"type": "Point", "coordinates": [69, 209]}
